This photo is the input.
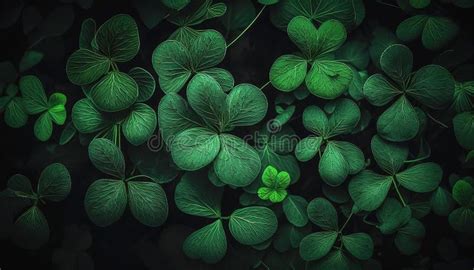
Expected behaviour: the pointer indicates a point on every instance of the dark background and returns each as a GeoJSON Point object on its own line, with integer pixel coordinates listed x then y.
{"type": "Point", "coordinates": [128, 244]}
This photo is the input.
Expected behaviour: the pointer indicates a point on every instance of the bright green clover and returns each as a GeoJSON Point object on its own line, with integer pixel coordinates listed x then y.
{"type": "Point", "coordinates": [431, 85]}
{"type": "Point", "coordinates": [338, 159]}
{"type": "Point", "coordinates": [94, 65]}
{"type": "Point", "coordinates": [195, 195]}
{"type": "Point", "coordinates": [36, 102]}
{"type": "Point", "coordinates": [369, 189]}
{"type": "Point", "coordinates": [462, 218]}
{"type": "Point", "coordinates": [176, 62]}
{"type": "Point", "coordinates": [322, 245]}
{"type": "Point", "coordinates": [137, 123]}
{"type": "Point", "coordinates": [327, 78]}
{"type": "Point", "coordinates": [436, 32]}
{"type": "Point", "coordinates": [197, 133]}
{"type": "Point", "coordinates": [12, 105]}
{"type": "Point", "coordinates": [348, 12]}
{"type": "Point", "coordinates": [394, 218]}
{"type": "Point", "coordinates": [275, 185]}
{"type": "Point", "coordinates": [31, 229]}
{"type": "Point", "coordinates": [463, 96]}
{"type": "Point", "coordinates": [463, 125]}
{"type": "Point", "coordinates": [106, 199]}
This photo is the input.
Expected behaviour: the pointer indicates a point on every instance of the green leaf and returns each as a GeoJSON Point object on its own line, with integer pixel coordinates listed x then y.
{"type": "Point", "coordinates": [67, 134]}
{"type": "Point", "coordinates": [19, 182]}
{"type": "Point", "coordinates": [316, 121]}
{"type": "Point", "coordinates": [150, 12]}
{"type": "Point", "coordinates": [177, 5]}
{"type": "Point", "coordinates": [208, 243]}
{"type": "Point", "coordinates": [145, 82]}
{"type": "Point", "coordinates": [57, 109]}
{"type": "Point", "coordinates": [331, 35]}
{"type": "Point", "coordinates": [442, 202]}
{"type": "Point", "coordinates": [140, 124]}
{"type": "Point", "coordinates": [269, 175]}
{"type": "Point", "coordinates": [148, 202]}
{"type": "Point", "coordinates": [369, 189]}
{"type": "Point", "coordinates": [237, 163]}
{"type": "Point", "coordinates": [207, 50]}
{"type": "Point", "coordinates": [239, 15]}
{"type": "Point", "coordinates": [175, 116]}
{"type": "Point", "coordinates": [388, 155]}
{"type": "Point", "coordinates": [195, 195]}
{"type": "Point", "coordinates": [171, 61]}
{"type": "Point", "coordinates": [195, 148]}
{"type": "Point", "coordinates": [328, 79]}
{"type": "Point", "coordinates": [85, 66]}
{"type": "Point", "coordinates": [87, 34]}
{"type": "Point", "coordinates": [399, 122]}
{"type": "Point", "coordinates": [222, 76]}
{"type": "Point", "coordinates": [333, 167]}
{"type": "Point", "coordinates": [462, 220]}
{"type": "Point", "coordinates": [463, 125]}
{"type": "Point", "coordinates": [105, 201]}
{"type": "Point", "coordinates": [353, 156]}
{"type": "Point", "coordinates": [118, 38]}
{"type": "Point", "coordinates": [317, 10]}
{"type": "Point", "coordinates": [463, 193]}
{"type": "Point", "coordinates": [207, 99]}
{"type": "Point", "coordinates": [30, 59]}
{"type": "Point", "coordinates": [317, 245]}
{"type": "Point", "coordinates": [433, 86]}
{"type": "Point", "coordinates": [15, 113]}
{"type": "Point", "coordinates": [379, 91]}
{"type": "Point", "coordinates": [307, 148]}
{"type": "Point", "coordinates": [87, 118]}
{"type": "Point", "coordinates": [336, 260]}
{"type": "Point", "coordinates": [392, 215]}
{"type": "Point", "coordinates": [246, 105]}
{"type": "Point", "coordinates": [305, 36]}
{"type": "Point", "coordinates": [252, 225]}
{"type": "Point", "coordinates": [107, 157]}
{"type": "Point", "coordinates": [344, 118]}
{"type": "Point", "coordinates": [409, 238]}
{"type": "Point", "coordinates": [43, 128]}
{"type": "Point", "coordinates": [360, 245]}
{"type": "Point", "coordinates": [397, 62]}
{"type": "Point", "coordinates": [424, 177]}
{"type": "Point", "coordinates": [463, 93]}
{"type": "Point", "coordinates": [322, 213]}
{"type": "Point", "coordinates": [288, 72]}
{"type": "Point", "coordinates": [294, 208]}
{"type": "Point", "coordinates": [54, 183]}
{"type": "Point", "coordinates": [272, 194]}
{"type": "Point", "coordinates": [382, 38]}
{"type": "Point", "coordinates": [114, 92]}
{"type": "Point", "coordinates": [32, 91]}
{"type": "Point", "coordinates": [420, 3]}
{"type": "Point", "coordinates": [354, 52]}
{"type": "Point", "coordinates": [31, 229]}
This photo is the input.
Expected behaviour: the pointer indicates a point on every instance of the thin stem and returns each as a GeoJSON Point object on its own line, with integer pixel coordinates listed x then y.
{"type": "Point", "coordinates": [345, 223]}
{"type": "Point", "coordinates": [264, 265]}
{"type": "Point", "coordinates": [417, 159]}
{"type": "Point", "coordinates": [437, 121]}
{"type": "Point", "coordinates": [265, 85]}
{"type": "Point", "coordinates": [247, 28]}
{"type": "Point", "coordinates": [139, 176]}
{"type": "Point", "coordinates": [387, 4]}
{"type": "Point", "coordinates": [225, 218]}
{"type": "Point", "coordinates": [398, 191]}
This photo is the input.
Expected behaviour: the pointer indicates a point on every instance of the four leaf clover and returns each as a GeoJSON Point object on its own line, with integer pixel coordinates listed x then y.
{"type": "Point", "coordinates": [275, 185]}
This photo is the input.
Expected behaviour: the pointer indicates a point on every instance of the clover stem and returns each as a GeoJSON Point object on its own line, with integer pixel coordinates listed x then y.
{"type": "Point", "coordinates": [247, 28]}
{"type": "Point", "coordinates": [225, 218]}
{"type": "Point", "coordinates": [387, 4]}
{"type": "Point", "coordinates": [436, 120]}
{"type": "Point", "coordinates": [345, 223]}
{"type": "Point", "coordinates": [264, 265]}
{"type": "Point", "coordinates": [265, 85]}
{"type": "Point", "coordinates": [139, 176]}
{"type": "Point", "coordinates": [398, 191]}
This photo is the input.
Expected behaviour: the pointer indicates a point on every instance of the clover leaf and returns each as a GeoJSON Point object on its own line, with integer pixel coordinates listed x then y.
{"type": "Point", "coordinates": [318, 245]}
{"type": "Point", "coordinates": [435, 31]}
{"type": "Point", "coordinates": [35, 102]}
{"type": "Point", "coordinates": [197, 12]}
{"type": "Point", "coordinates": [462, 218]}
{"type": "Point", "coordinates": [464, 129]}
{"type": "Point", "coordinates": [195, 195]}
{"type": "Point", "coordinates": [15, 112]}
{"type": "Point", "coordinates": [197, 135]}
{"type": "Point", "coordinates": [338, 159]}
{"type": "Point", "coordinates": [275, 185]}
{"type": "Point", "coordinates": [463, 95]}
{"type": "Point", "coordinates": [116, 41]}
{"type": "Point", "coordinates": [369, 189]}
{"type": "Point", "coordinates": [106, 199]}
{"type": "Point", "coordinates": [326, 78]}
{"type": "Point", "coordinates": [175, 63]}
{"type": "Point", "coordinates": [431, 85]}
{"type": "Point", "coordinates": [137, 123]}
{"type": "Point", "coordinates": [31, 229]}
